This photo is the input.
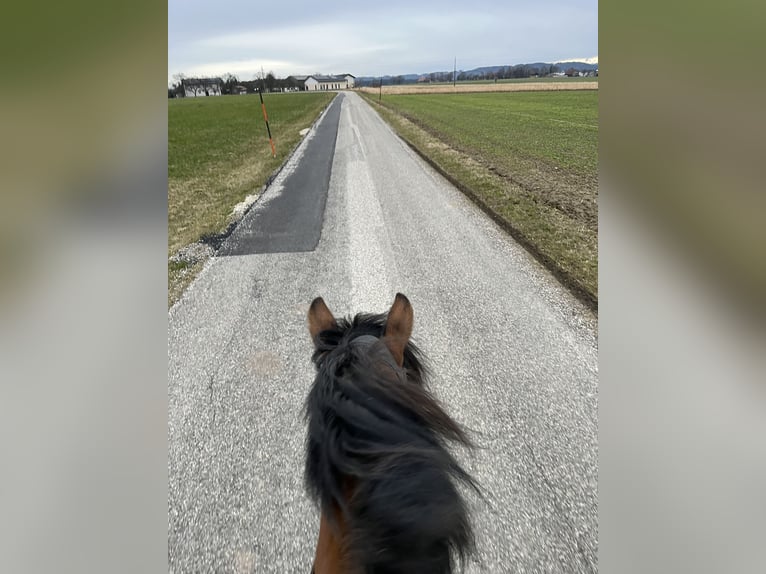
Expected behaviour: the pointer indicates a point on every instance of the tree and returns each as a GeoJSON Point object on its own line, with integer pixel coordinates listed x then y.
{"type": "Point", "coordinates": [260, 82]}
{"type": "Point", "coordinates": [270, 81]}
{"type": "Point", "coordinates": [520, 71]}
{"type": "Point", "coordinates": [177, 87]}
{"type": "Point", "coordinates": [196, 85]}
{"type": "Point", "coordinates": [230, 81]}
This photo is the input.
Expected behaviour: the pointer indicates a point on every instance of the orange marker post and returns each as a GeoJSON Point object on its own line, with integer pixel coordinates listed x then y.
{"type": "Point", "coordinates": [268, 129]}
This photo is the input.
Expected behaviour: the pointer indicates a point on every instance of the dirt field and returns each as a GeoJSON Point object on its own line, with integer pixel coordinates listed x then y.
{"type": "Point", "coordinates": [499, 87]}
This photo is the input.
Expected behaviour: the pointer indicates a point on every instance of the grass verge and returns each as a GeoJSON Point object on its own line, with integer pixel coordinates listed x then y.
{"type": "Point", "coordinates": [529, 160]}
{"type": "Point", "coordinates": [218, 153]}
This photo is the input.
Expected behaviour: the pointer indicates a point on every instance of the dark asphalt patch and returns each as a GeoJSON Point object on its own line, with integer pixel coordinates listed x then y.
{"type": "Point", "coordinates": [292, 221]}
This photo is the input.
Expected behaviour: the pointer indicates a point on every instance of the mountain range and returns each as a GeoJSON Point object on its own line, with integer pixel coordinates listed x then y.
{"type": "Point", "coordinates": [483, 71]}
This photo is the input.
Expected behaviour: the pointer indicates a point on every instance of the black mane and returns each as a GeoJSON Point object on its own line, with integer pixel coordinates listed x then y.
{"type": "Point", "coordinates": [377, 454]}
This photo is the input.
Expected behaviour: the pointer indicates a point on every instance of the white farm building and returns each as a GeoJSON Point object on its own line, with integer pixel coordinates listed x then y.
{"type": "Point", "coordinates": [324, 83]}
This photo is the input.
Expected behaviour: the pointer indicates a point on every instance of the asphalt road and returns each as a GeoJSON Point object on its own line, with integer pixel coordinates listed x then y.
{"type": "Point", "coordinates": [514, 358]}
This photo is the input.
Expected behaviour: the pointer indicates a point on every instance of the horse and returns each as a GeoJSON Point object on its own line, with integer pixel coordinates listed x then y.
{"type": "Point", "coordinates": [377, 459]}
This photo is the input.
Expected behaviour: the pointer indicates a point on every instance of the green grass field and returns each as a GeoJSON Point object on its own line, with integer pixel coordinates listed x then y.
{"type": "Point", "coordinates": [558, 128]}
{"type": "Point", "coordinates": [218, 153]}
{"type": "Point", "coordinates": [530, 157]}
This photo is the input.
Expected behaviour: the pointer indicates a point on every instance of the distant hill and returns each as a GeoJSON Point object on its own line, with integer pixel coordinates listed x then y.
{"type": "Point", "coordinates": [579, 66]}
{"type": "Point", "coordinates": [484, 72]}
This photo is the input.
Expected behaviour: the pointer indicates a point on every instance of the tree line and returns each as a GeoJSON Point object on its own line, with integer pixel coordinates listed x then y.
{"type": "Point", "coordinates": [232, 84]}
{"type": "Point", "coordinates": [503, 73]}
{"type": "Point", "coordinates": [506, 73]}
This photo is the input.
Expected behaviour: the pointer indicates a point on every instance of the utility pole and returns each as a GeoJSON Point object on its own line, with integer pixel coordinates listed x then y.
{"type": "Point", "coordinates": [454, 73]}
{"type": "Point", "coordinates": [380, 92]}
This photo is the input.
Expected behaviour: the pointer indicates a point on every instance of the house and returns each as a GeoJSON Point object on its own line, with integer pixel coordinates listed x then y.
{"type": "Point", "coordinates": [194, 87]}
{"type": "Point", "coordinates": [322, 83]}
{"type": "Point", "coordinates": [239, 90]}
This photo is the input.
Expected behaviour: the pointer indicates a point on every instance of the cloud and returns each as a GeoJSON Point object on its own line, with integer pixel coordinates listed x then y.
{"type": "Point", "coordinates": [374, 40]}
{"type": "Point", "coordinates": [294, 50]}
{"type": "Point", "coordinates": [241, 68]}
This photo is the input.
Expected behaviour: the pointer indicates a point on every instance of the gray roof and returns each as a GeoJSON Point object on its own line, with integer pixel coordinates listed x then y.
{"type": "Point", "coordinates": [201, 81]}
{"type": "Point", "coordinates": [328, 79]}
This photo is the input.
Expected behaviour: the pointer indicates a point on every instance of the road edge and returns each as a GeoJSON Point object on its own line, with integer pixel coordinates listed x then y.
{"type": "Point", "coordinates": [214, 241]}
{"type": "Point", "coordinates": [569, 282]}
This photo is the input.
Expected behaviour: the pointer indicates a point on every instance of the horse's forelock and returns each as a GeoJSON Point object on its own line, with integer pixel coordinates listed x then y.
{"type": "Point", "coordinates": [363, 404]}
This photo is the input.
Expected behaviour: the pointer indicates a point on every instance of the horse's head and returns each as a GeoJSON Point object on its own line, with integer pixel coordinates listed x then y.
{"type": "Point", "coordinates": [376, 457]}
{"type": "Point", "coordinates": [387, 336]}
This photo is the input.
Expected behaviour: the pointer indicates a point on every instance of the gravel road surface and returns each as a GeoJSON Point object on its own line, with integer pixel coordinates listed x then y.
{"type": "Point", "coordinates": [356, 216]}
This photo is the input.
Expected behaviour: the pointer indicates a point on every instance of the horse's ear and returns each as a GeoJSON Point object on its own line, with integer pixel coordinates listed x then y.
{"type": "Point", "coordinates": [320, 318]}
{"type": "Point", "coordinates": [399, 327]}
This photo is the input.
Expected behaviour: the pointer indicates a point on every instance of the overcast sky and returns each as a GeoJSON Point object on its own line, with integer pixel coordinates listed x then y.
{"type": "Point", "coordinates": [363, 38]}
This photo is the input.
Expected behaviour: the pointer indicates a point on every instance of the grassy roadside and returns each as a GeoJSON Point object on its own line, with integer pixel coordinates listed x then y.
{"type": "Point", "coordinates": [530, 162]}
{"type": "Point", "coordinates": [218, 153]}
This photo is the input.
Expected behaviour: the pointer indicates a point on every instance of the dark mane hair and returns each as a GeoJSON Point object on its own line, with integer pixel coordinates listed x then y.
{"type": "Point", "coordinates": [377, 458]}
